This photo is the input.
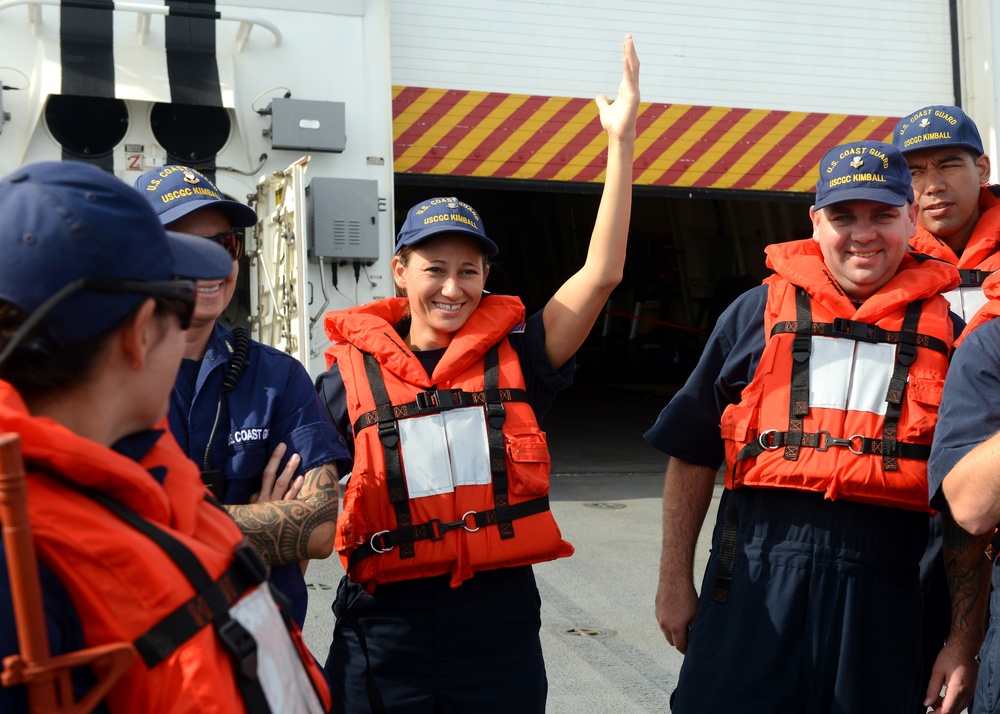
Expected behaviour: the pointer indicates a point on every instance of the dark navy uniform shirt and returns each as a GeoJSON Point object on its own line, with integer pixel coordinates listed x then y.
{"type": "Point", "coordinates": [273, 403]}
{"type": "Point", "coordinates": [969, 413]}
{"type": "Point", "coordinates": [688, 427]}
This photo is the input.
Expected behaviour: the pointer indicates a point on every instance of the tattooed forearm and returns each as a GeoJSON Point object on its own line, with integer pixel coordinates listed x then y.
{"type": "Point", "coordinates": [290, 531]}
{"type": "Point", "coordinates": [968, 576]}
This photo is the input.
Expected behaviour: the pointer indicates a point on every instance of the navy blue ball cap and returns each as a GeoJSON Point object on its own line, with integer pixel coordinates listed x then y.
{"type": "Point", "coordinates": [443, 215]}
{"type": "Point", "coordinates": [66, 220]}
{"type": "Point", "coordinates": [175, 191]}
{"type": "Point", "coordinates": [863, 170]}
{"type": "Point", "coordinates": [935, 127]}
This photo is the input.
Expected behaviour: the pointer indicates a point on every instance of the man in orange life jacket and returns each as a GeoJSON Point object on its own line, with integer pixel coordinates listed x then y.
{"type": "Point", "coordinates": [959, 219]}
{"type": "Point", "coordinates": [130, 549]}
{"type": "Point", "coordinates": [819, 390]}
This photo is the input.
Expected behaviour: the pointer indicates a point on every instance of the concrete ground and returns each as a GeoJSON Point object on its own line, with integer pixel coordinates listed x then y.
{"type": "Point", "coordinates": [604, 651]}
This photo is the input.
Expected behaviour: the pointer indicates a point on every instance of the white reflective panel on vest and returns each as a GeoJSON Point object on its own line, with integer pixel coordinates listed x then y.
{"type": "Point", "coordinates": [281, 672]}
{"type": "Point", "coordinates": [849, 375]}
{"type": "Point", "coordinates": [965, 302]}
{"type": "Point", "coordinates": [444, 450]}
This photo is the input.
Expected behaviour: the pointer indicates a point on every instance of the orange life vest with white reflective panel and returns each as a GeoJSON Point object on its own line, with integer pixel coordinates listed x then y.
{"type": "Point", "coordinates": [845, 398]}
{"type": "Point", "coordinates": [451, 471]}
{"type": "Point", "coordinates": [91, 512]}
{"type": "Point", "coordinates": [991, 289]}
{"type": "Point", "coordinates": [979, 259]}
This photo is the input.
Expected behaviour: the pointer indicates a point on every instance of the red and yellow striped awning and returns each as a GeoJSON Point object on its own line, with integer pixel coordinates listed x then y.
{"type": "Point", "coordinates": [519, 136]}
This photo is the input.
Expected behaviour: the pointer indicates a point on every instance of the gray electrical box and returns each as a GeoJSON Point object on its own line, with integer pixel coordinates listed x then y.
{"type": "Point", "coordinates": [308, 126]}
{"type": "Point", "coordinates": [343, 218]}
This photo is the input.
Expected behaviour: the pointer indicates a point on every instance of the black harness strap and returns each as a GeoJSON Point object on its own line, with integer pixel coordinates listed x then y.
{"type": "Point", "coordinates": [727, 549]}
{"type": "Point", "coordinates": [798, 405]}
{"type": "Point", "coordinates": [239, 643]}
{"type": "Point", "coordinates": [860, 332]}
{"type": "Point", "coordinates": [371, 686]}
{"type": "Point", "coordinates": [389, 436]}
{"type": "Point", "coordinates": [906, 352]}
{"type": "Point", "coordinates": [439, 400]}
{"type": "Point", "coordinates": [822, 441]}
{"type": "Point", "coordinates": [434, 529]}
{"type": "Point", "coordinates": [496, 414]}
{"type": "Point", "coordinates": [160, 641]}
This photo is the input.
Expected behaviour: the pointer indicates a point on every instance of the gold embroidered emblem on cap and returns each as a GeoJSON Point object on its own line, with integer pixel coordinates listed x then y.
{"type": "Point", "coordinates": [857, 163]}
{"type": "Point", "coordinates": [924, 123]}
{"type": "Point", "coordinates": [189, 177]}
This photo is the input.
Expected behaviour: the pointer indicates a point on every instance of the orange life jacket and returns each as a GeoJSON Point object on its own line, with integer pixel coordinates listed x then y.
{"type": "Point", "coordinates": [979, 260]}
{"type": "Point", "coordinates": [451, 471]}
{"type": "Point", "coordinates": [808, 420]}
{"type": "Point", "coordinates": [991, 289]}
{"type": "Point", "coordinates": [122, 584]}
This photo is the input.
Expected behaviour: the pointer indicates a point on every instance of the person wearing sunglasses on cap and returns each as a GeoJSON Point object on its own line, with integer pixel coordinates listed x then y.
{"type": "Point", "coordinates": [266, 445]}
{"type": "Point", "coordinates": [94, 298]}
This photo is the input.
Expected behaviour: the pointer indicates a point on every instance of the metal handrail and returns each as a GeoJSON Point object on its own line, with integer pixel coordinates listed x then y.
{"type": "Point", "coordinates": [144, 11]}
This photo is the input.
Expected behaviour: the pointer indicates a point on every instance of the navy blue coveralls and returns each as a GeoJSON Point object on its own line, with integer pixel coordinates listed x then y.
{"type": "Point", "coordinates": [274, 402]}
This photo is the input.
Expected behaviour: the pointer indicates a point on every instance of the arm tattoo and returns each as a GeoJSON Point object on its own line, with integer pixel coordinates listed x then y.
{"type": "Point", "coordinates": [280, 530]}
{"type": "Point", "coordinates": [968, 576]}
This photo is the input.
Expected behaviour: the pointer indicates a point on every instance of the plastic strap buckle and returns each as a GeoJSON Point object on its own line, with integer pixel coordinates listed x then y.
{"type": "Point", "coordinates": [241, 646]}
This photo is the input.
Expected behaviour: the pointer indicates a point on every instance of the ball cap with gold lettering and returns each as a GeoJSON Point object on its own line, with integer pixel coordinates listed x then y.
{"type": "Point", "coordinates": [438, 216]}
{"type": "Point", "coordinates": [175, 191]}
{"type": "Point", "coordinates": [865, 171]}
{"type": "Point", "coordinates": [64, 221]}
{"type": "Point", "coordinates": [935, 127]}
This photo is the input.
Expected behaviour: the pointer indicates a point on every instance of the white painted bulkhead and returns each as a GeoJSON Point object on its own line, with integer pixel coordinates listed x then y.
{"type": "Point", "coordinates": [880, 58]}
{"type": "Point", "coordinates": [319, 50]}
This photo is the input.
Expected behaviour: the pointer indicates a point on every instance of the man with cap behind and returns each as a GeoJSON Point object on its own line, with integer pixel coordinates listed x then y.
{"type": "Point", "coordinates": [94, 298]}
{"type": "Point", "coordinates": [959, 222]}
{"type": "Point", "coordinates": [247, 413]}
{"type": "Point", "coordinates": [959, 219]}
{"type": "Point", "coordinates": [819, 390]}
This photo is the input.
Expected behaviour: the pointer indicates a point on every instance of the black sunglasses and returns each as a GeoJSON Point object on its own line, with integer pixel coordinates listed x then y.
{"type": "Point", "coordinates": [231, 240]}
{"type": "Point", "coordinates": [180, 294]}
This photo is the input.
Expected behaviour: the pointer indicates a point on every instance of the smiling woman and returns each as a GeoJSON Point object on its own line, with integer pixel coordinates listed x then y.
{"type": "Point", "coordinates": [447, 504]}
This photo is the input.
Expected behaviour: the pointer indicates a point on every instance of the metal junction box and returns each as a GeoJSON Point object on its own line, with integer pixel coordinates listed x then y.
{"type": "Point", "coordinates": [343, 218]}
{"type": "Point", "coordinates": [304, 125]}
